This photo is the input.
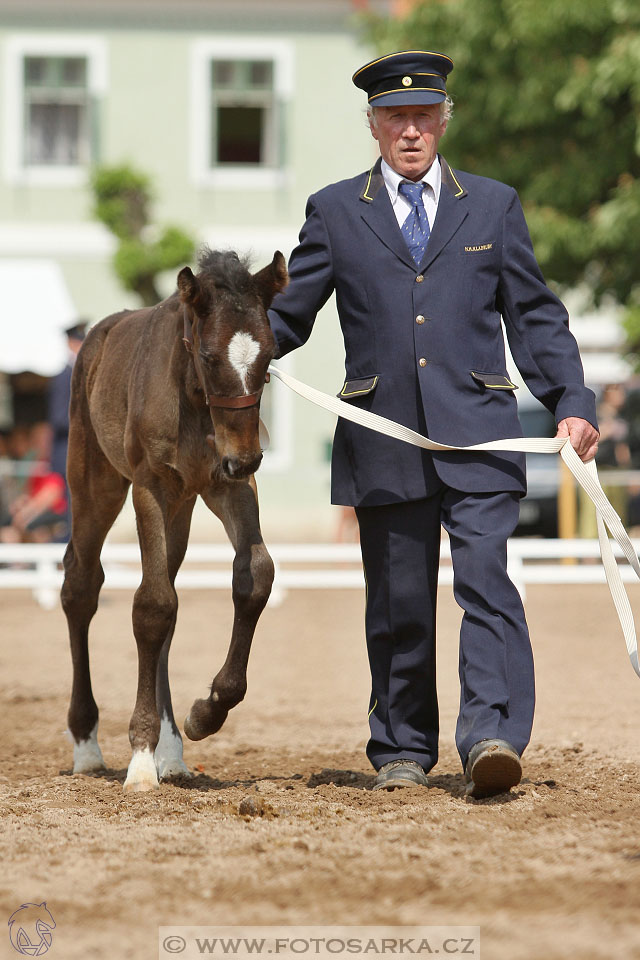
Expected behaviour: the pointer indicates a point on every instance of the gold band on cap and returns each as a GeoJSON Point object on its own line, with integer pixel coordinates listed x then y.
{"type": "Point", "coordinates": [402, 53]}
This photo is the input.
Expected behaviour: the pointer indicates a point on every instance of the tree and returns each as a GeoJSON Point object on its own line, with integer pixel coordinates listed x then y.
{"type": "Point", "coordinates": [122, 201]}
{"type": "Point", "coordinates": [548, 99]}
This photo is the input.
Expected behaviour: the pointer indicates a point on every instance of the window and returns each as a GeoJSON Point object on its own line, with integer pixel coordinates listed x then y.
{"type": "Point", "coordinates": [240, 91]}
{"type": "Point", "coordinates": [56, 112]}
{"type": "Point", "coordinates": [243, 113]}
{"type": "Point", "coordinates": [53, 86]}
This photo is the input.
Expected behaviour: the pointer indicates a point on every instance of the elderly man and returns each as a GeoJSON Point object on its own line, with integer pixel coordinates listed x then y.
{"type": "Point", "coordinates": [424, 262]}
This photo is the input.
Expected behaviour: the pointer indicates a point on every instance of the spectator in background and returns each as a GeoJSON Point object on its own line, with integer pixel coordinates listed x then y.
{"type": "Point", "coordinates": [630, 413]}
{"type": "Point", "coordinates": [16, 446]}
{"type": "Point", "coordinates": [613, 454]}
{"type": "Point", "coordinates": [38, 513]}
{"type": "Point", "coordinates": [613, 450]}
{"type": "Point", "coordinates": [59, 396]}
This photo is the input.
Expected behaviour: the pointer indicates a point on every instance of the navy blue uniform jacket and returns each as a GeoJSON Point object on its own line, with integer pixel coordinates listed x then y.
{"type": "Point", "coordinates": [59, 396]}
{"type": "Point", "coordinates": [444, 374]}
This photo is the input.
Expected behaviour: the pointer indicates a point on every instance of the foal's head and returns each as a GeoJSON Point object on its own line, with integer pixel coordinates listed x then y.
{"type": "Point", "coordinates": [232, 345]}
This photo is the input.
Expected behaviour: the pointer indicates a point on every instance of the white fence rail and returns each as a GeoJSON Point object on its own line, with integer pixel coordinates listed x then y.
{"type": "Point", "coordinates": [37, 567]}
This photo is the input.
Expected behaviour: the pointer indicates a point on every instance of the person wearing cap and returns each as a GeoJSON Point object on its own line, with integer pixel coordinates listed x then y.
{"type": "Point", "coordinates": [58, 408]}
{"type": "Point", "coordinates": [425, 261]}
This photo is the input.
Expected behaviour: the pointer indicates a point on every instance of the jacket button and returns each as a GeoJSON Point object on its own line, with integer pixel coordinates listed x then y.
{"type": "Point", "coordinates": [419, 318]}
{"type": "Point", "coordinates": [422, 362]}
{"type": "Point", "coordinates": [419, 278]}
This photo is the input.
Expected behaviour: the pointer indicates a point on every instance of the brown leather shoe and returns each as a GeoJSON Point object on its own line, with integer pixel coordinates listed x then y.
{"type": "Point", "coordinates": [400, 773]}
{"type": "Point", "coordinates": [493, 766]}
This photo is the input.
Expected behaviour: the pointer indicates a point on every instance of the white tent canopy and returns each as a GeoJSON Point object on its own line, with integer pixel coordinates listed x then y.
{"type": "Point", "coordinates": [35, 310]}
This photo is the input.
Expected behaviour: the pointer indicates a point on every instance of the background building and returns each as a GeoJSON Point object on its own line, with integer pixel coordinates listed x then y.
{"type": "Point", "coordinates": [236, 110]}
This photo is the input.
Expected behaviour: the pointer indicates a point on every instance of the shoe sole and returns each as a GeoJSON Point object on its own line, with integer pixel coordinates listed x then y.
{"type": "Point", "coordinates": [397, 785]}
{"type": "Point", "coordinates": [495, 771]}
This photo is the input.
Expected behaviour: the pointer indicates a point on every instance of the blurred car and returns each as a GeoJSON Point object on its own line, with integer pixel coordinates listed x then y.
{"type": "Point", "coordinates": [539, 509]}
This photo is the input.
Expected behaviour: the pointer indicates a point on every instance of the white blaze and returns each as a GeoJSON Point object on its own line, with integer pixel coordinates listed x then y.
{"type": "Point", "coordinates": [243, 350]}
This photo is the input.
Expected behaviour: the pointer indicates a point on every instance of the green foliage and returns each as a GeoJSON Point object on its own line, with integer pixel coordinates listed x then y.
{"type": "Point", "coordinates": [136, 259]}
{"type": "Point", "coordinates": [122, 201]}
{"type": "Point", "coordinates": [632, 331]}
{"type": "Point", "coordinates": [547, 99]}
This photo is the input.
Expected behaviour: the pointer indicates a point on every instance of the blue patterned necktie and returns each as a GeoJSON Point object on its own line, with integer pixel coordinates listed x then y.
{"type": "Point", "coordinates": [415, 229]}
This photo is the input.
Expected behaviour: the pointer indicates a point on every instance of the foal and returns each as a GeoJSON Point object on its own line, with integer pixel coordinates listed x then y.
{"type": "Point", "coordinates": [166, 399]}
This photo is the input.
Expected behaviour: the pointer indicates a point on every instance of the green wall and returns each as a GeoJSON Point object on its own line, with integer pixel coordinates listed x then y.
{"type": "Point", "coordinates": [144, 119]}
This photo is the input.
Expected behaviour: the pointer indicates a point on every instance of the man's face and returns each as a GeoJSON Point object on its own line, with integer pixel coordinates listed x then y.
{"type": "Point", "coordinates": [408, 136]}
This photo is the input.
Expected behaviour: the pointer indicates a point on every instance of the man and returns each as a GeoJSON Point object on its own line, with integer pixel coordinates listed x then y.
{"type": "Point", "coordinates": [424, 261]}
{"type": "Point", "coordinates": [59, 396]}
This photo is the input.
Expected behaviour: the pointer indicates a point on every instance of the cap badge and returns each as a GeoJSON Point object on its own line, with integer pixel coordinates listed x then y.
{"type": "Point", "coordinates": [406, 81]}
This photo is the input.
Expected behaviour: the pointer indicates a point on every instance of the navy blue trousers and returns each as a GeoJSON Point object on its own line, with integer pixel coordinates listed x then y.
{"type": "Point", "coordinates": [400, 550]}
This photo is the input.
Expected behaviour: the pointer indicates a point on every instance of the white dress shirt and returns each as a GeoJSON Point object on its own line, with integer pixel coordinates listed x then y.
{"type": "Point", "coordinates": [430, 193]}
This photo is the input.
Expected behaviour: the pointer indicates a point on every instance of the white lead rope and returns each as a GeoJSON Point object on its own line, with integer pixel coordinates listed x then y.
{"type": "Point", "coordinates": [585, 473]}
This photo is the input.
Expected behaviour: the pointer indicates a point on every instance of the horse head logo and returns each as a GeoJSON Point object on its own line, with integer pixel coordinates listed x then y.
{"type": "Point", "coordinates": [30, 929]}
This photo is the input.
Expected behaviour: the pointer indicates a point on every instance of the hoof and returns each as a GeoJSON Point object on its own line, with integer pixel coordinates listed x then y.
{"type": "Point", "coordinates": [88, 769]}
{"type": "Point", "coordinates": [190, 730]}
{"type": "Point", "coordinates": [141, 775]}
{"type": "Point", "coordinates": [175, 770]}
{"type": "Point", "coordinates": [88, 764]}
{"type": "Point", "coordinates": [139, 786]}
{"type": "Point", "coordinates": [205, 717]}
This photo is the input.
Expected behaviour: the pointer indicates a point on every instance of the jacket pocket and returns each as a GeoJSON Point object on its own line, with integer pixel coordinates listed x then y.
{"type": "Point", "coordinates": [358, 387]}
{"type": "Point", "coordinates": [493, 381]}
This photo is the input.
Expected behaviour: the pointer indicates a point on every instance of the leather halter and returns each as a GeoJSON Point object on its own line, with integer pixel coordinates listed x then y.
{"type": "Point", "coordinates": [216, 399]}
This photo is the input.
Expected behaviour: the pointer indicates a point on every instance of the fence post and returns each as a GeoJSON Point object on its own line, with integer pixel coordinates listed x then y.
{"type": "Point", "coordinates": [567, 508]}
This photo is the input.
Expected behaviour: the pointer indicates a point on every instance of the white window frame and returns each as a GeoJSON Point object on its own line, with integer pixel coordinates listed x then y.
{"type": "Point", "coordinates": [17, 47]}
{"type": "Point", "coordinates": [203, 51]}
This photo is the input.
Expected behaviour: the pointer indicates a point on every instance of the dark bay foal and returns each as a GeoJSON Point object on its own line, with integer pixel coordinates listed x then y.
{"type": "Point", "coordinates": [166, 399]}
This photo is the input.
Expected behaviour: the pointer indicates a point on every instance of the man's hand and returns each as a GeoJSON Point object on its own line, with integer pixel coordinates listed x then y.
{"type": "Point", "coordinates": [582, 436]}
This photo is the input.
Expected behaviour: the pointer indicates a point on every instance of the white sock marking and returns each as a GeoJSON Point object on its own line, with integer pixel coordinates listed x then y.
{"type": "Point", "coordinates": [87, 756]}
{"type": "Point", "coordinates": [168, 755]}
{"type": "Point", "coordinates": [141, 774]}
{"type": "Point", "coordinates": [243, 350]}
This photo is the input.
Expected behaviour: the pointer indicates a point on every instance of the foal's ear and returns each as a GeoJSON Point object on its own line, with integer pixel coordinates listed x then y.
{"type": "Point", "coordinates": [188, 285]}
{"type": "Point", "coordinates": [272, 279]}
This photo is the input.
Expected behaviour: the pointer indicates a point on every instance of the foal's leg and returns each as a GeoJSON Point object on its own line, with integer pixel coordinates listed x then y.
{"type": "Point", "coordinates": [237, 506]}
{"type": "Point", "coordinates": [97, 495]}
{"type": "Point", "coordinates": [154, 610]}
{"type": "Point", "coordinates": [168, 753]}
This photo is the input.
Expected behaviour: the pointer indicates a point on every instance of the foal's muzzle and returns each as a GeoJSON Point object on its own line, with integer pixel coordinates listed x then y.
{"type": "Point", "coordinates": [234, 468]}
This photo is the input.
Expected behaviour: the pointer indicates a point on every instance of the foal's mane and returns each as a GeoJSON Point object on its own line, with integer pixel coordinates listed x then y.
{"type": "Point", "coordinates": [225, 270]}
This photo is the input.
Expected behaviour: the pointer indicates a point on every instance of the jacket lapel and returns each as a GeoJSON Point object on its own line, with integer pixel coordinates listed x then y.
{"type": "Point", "coordinates": [378, 214]}
{"type": "Point", "coordinates": [451, 213]}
